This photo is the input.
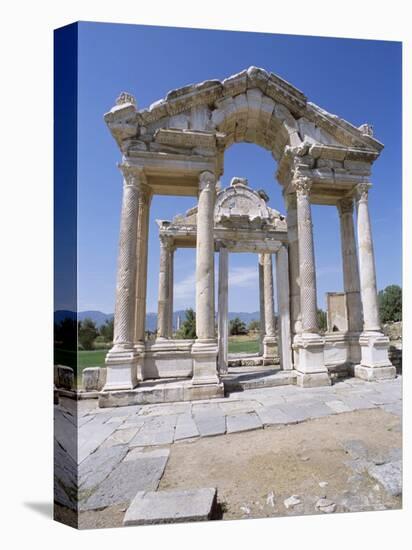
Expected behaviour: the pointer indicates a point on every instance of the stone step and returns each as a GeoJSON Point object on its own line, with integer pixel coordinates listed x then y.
{"type": "Point", "coordinates": [254, 380]}
{"type": "Point", "coordinates": [171, 507]}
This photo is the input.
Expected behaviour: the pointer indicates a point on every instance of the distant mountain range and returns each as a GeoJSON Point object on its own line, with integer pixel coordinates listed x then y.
{"type": "Point", "coordinates": [151, 318]}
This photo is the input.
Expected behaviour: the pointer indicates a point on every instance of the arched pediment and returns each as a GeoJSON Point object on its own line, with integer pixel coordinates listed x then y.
{"type": "Point", "coordinates": [251, 106]}
{"type": "Point", "coordinates": [240, 206]}
{"type": "Point", "coordinates": [237, 207]}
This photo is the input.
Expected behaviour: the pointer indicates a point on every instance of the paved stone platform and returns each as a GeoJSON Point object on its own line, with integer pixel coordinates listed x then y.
{"type": "Point", "coordinates": [125, 450]}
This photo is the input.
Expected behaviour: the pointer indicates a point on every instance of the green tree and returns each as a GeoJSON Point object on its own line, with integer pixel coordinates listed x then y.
{"type": "Point", "coordinates": [237, 326]}
{"type": "Point", "coordinates": [187, 329]}
{"type": "Point", "coordinates": [106, 330]}
{"type": "Point", "coordinates": [254, 326]}
{"type": "Point", "coordinates": [390, 304]}
{"type": "Point", "coordinates": [322, 320]}
{"type": "Point", "coordinates": [87, 333]}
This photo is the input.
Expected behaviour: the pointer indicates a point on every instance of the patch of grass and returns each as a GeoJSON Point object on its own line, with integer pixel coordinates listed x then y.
{"type": "Point", "coordinates": [94, 358]}
{"type": "Point", "coordinates": [243, 346]}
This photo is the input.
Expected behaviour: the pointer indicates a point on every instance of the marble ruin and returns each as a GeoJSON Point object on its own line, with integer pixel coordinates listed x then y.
{"type": "Point", "coordinates": [176, 147]}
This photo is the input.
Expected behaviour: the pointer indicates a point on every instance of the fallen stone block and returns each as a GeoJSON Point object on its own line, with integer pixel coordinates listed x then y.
{"type": "Point", "coordinates": [389, 475]}
{"type": "Point", "coordinates": [171, 507]}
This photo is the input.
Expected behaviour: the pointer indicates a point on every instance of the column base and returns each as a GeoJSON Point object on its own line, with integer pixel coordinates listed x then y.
{"type": "Point", "coordinates": [123, 368]}
{"type": "Point", "coordinates": [311, 370]}
{"type": "Point", "coordinates": [204, 353]}
{"type": "Point", "coordinates": [269, 349]}
{"type": "Point", "coordinates": [375, 363]}
{"type": "Point", "coordinates": [305, 380]}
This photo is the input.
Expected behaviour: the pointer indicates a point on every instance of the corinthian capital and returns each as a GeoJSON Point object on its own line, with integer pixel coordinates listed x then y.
{"type": "Point", "coordinates": [133, 175]}
{"type": "Point", "coordinates": [302, 186]}
{"type": "Point", "coordinates": [207, 180]}
{"type": "Point", "coordinates": [362, 190]}
{"type": "Point", "coordinates": [166, 241]}
{"type": "Point", "coordinates": [345, 206]}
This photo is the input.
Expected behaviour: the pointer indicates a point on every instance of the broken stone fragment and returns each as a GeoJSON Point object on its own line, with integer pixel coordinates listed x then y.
{"type": "Point", "coordinates": [325, 505]}
{"type": "Point", "coordinates": [292, 501]}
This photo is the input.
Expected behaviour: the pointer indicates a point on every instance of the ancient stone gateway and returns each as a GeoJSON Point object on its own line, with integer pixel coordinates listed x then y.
{"type": "Point", "coordinates": [176, 147]}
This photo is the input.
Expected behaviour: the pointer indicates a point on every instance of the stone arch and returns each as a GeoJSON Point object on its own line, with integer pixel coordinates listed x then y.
{"type": "Point", "coordinates": [252, 106]}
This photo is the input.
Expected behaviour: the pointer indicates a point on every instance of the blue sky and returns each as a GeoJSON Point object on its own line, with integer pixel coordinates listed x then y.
{"type": "Point", "coordinates": [359, 80]}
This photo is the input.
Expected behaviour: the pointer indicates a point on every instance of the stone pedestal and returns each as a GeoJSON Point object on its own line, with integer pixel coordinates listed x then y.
{"type": "Point", "coordinates": [308, 346]}
{"type": "Point", "coordinates": [375, 363]}
{"type": "Point", "coordinates": [204, 350]}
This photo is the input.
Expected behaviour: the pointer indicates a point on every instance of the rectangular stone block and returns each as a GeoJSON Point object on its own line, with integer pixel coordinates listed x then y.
{"type": "Point", "coordinates": [210, 424]}
{"type": "Point", "coordinates": [185, 427]}
{"type": "Point", "coordinates": [130, 476]}
{"type": "Point", "coordinates": [243, 422]}
{"type": "Point", "coordinates": [272, 415]}
{"type": "Point", "coordinates": [171, 507]}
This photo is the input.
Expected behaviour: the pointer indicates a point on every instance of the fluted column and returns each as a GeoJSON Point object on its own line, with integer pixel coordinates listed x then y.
{"type": "Point", "coordinates": [282, 285]}
{"type": "Point", "coordinates": [121, 361]}
{"type": "Point", "coordinates": [374, 345]}
{"type": "Point", "coordinates": [164, 288]}
{"type": "Point", "coordinates": [261, 301]}
{"type": "Point", "coordinates": [223, 308]}
{"type": "Point", "coordinates": [204, 350]}
{"type": "Point", "coordinates": [269, 341]}
{"type": "Point", "coordinates": [309, 346]}
{"type": "Point", "coordinates": [350, 266]}
{"type": "Point", "coordinates": [292, 222]}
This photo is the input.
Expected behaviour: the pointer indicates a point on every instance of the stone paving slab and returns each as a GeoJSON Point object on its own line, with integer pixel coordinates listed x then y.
{"type": "Point", "coordinates": [171, 506]}
{"type": "Point", "coordinates": [185, 427]}
{"type": "Point", "coordinates": [157, 430]}
{"type": "Point", "coordinates": [272, 415]}
{"type": "Point", "coordinates": [294, 412]}
{"type": "Point", "coordinates": [338, 406]}
{"type": "Point", "coordinates": [120, 437]}
{"type": "Point", "coordinates": [243, 422]}
{"type": "Point", "coordinates": [96, 467]}
{"type": "Point", "coordinates": [210, 424]}
{"type": "Point", "coordinates": [129, 477]}
{"type": "Point", "coordinates": [91, 436]}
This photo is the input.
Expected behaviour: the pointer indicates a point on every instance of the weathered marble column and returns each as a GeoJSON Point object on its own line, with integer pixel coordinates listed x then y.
{"type": "Point", "coordinates": [204, 350]}
{"type": "Point", "coordinates": [309, 345]}
{"type": "Point", "coordinates": [282, 285]}
{"type": "Point", "coordinates": [294, 284]}
{"type": "Point", "coordinates": [164, 288]}
{"type": "Point", "coordinates": [375, 362]}
{"type": "Point", "coordinates": [223, 310]}
{"type": "Point", "coordinates": [351, 281]}
{"type": "Point", "coordinates": [121, 360]}
{"type": "Point", "coordinates": [269, 341]}
{"type": "Point", "coordinates": [261, 302]}
{"type": "Point", "coordinates": [144, 201]}
{"type": "Point", "coordinates": [171, 273]}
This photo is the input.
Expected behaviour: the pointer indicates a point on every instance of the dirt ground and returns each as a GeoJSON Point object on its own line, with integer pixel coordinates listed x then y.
{"type": "Point", "coordinates": [288, 460]}
{"type": "Point", "coordinates": [254, 472]}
